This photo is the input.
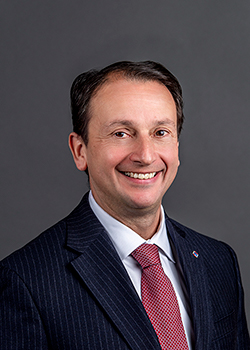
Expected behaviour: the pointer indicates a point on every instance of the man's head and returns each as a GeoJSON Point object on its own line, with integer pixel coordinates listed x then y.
{"type": "Point", "coordinates": [126, 127]}
{"type": "Point", "coordinates": [86, 85]}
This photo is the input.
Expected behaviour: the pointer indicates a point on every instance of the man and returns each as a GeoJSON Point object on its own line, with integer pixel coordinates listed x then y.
{"type": "Point", "coordinates": [81, 284]}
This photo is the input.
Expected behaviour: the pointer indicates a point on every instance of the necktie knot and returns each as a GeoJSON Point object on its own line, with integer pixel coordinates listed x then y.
{"type": "Point", "coordinates": [146, 255]}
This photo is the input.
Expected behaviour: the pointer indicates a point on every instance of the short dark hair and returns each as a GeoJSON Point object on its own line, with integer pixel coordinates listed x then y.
{"type": "Point", "coordinates": [87, 84]}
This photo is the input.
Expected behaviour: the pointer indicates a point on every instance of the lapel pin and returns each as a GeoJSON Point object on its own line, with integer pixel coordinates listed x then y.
{"type": "Point", "coordinates": [195, 254]}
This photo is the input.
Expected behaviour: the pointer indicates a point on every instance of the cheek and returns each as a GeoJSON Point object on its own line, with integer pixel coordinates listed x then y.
{"type": "Point", "coordinates": [105, 158]}
{"type": "Point", "coordinates": [115, 156]}
{"type": "Point", "coordinates": [171, 156]}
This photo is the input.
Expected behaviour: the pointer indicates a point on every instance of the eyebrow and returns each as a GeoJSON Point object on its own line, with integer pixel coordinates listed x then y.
{"type": "Point", "coordinates": [119, 122]}
{"type": "Point", "coordinates": [129, 123]}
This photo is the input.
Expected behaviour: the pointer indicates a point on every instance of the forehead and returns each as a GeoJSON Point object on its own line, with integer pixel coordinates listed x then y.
{"type": "Point", "coordinates": [119, 92]}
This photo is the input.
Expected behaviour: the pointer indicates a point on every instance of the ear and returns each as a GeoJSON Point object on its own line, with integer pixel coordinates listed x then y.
{"type": "Point", "coordinates": [78, 150]}
{"type": "Point", "coordinates": [179, 163]}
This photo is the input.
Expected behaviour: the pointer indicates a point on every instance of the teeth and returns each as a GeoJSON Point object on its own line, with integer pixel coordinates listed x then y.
{"type": "Point", "coordinates": [141, 176]}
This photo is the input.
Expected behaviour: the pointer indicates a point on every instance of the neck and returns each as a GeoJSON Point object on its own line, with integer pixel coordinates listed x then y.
{"type": "Point", "coordinates": [144, 223]}
{"type": "Point", "coordinates": [145, 226]}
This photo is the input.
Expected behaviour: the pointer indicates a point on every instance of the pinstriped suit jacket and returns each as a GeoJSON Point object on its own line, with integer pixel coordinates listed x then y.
{"type": "Point", "coordinates": [68, 289]}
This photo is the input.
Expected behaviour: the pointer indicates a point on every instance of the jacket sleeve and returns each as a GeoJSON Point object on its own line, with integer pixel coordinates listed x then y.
{"type": "Point", "coordinates": [243, 341]}
{"type": "Point", "coordinates": [20, 324]}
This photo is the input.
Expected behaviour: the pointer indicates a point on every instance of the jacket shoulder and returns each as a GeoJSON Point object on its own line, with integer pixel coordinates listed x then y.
{"type": "Point", "coordinates": [47, 242]}
{"type": "Point", "coordinates": [198, 237]}
{"type": "Point", "coordinates": [213, 251]}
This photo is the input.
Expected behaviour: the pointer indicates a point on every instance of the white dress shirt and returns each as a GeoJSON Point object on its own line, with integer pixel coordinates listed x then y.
{"type": "Point", "coordinates": [126, 241]}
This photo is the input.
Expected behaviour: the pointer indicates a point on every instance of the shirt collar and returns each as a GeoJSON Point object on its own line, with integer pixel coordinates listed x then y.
{"type": "Point", "coordinates": [126, 240]}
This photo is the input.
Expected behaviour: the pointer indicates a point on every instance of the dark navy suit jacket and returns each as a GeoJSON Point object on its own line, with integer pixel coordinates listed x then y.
{"type": "Point", "coordinates": [68, 289]}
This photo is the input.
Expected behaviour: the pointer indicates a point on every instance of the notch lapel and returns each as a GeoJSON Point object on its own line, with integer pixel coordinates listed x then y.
{"type": "Point", "coordinates": [194, 272]}
{"type": "Point", "coordinates": [102, 271]}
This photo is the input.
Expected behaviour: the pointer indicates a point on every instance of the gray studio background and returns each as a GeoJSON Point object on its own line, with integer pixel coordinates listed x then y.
{"type": "Point", "coordinates": [45, 44]}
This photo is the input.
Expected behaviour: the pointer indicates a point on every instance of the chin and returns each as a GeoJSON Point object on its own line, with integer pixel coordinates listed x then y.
{"type": "Point", "coordinates": [144, 203]}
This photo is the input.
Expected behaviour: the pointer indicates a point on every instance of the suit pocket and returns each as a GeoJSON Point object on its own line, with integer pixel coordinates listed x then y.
{"type": "Point", "coordinates": [225, 326]}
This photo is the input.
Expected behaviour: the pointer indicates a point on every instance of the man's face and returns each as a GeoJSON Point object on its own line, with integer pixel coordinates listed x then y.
{"type": "Point", "coordinates": [132, 153]}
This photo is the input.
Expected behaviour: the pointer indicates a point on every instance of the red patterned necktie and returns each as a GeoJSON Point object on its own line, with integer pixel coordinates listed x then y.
{"type": "Point", "coordinates": [159, 299]}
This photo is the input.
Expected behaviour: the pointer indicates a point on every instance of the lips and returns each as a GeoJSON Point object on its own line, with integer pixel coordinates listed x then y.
{"type": "Point", "coordinates": [140, 176]}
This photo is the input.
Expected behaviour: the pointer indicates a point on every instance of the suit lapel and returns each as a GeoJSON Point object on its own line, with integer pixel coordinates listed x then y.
{"type": "Point", "coordinates": [100, 267]}
{"type": "Point", "coordinates": [194, 272]}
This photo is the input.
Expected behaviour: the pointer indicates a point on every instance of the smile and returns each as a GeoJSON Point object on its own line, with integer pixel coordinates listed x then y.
{"type": "Point", "coordinates": [140, 175]}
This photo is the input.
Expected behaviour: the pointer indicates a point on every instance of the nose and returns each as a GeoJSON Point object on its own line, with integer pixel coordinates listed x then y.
{"type": "Point", "coordinates": [143, 152]}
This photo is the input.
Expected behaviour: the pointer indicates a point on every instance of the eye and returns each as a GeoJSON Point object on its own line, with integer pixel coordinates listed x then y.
{"type": "Point", "coordinates": [161, 133]}
{"type": "Point", "coordinates": [120, 134]}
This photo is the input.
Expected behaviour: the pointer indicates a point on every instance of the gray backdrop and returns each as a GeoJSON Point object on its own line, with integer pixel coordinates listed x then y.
{"type": "Point", "coordinates": [45, 44]}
